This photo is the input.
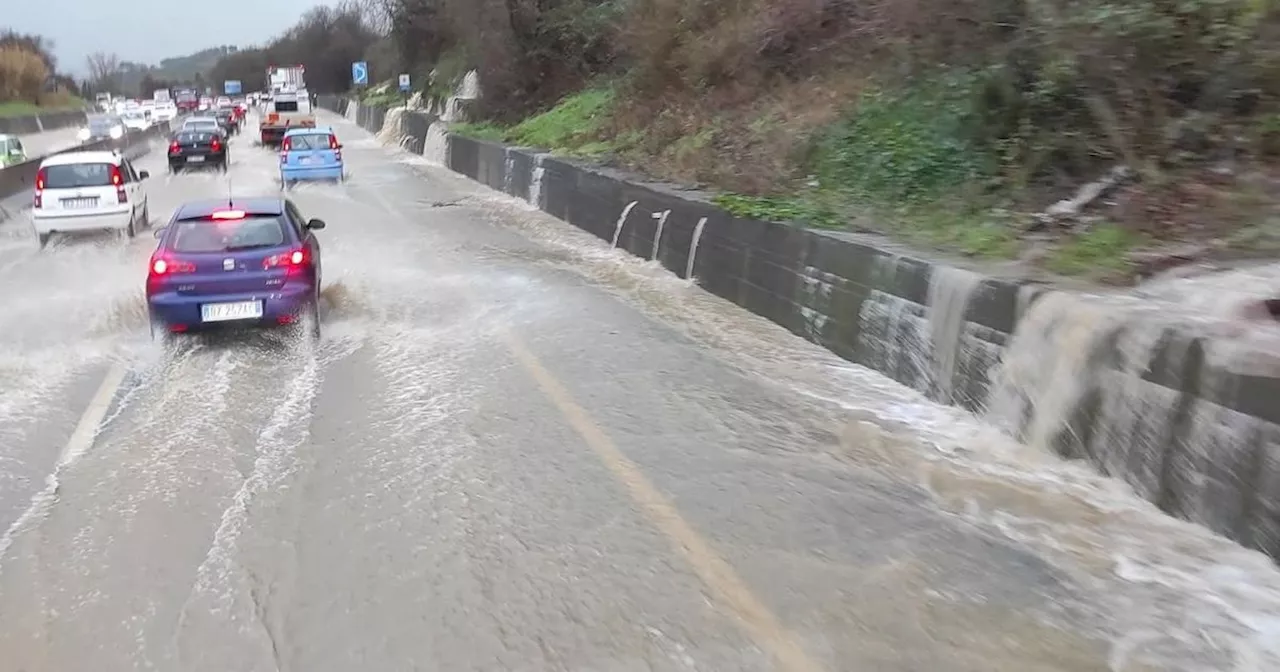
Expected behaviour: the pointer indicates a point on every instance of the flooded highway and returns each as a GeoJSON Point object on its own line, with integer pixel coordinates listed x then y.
{"type": "Point", "coordinates": [517, 449]}
{"type": "Point", "coordinates": [48, 142]}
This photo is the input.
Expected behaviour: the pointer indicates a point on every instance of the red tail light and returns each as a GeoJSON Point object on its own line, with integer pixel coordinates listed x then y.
{"type": "Point", "coordinates": [40, 180]}
{"type": "Point", "coordinates": [286, 145]}
{"type": "Point", "coordinates": [215, 145]}
{"type": "Point", "coordinates": [173, 147]}
{"type": "Point", "coordinates": [165, 266]}
{"type": "Point", "coordinates": [292, 261]}
{"type": "Point", "coordinates": [333, 141]}
{"type": "Point", "coordinates": [117, 178]}
{"type": "Point", "coordinates": [162, 266]}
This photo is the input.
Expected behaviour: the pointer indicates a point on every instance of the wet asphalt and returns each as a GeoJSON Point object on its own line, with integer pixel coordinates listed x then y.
{"type": "Point", "coordinates": [40, 144]}
{"type": "Point", "coordinates": [514, 449]}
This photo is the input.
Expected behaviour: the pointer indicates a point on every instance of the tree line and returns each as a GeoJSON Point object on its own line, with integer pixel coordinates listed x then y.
{"type": "Point", "coordinates": [29, 70]}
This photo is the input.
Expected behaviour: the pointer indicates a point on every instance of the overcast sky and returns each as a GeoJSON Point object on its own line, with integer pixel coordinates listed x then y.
{"type": "Point", "coordinates": [147, 31]}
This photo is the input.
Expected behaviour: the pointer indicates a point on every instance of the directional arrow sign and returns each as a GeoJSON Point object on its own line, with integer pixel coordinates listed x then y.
{"type": "Point", "coordinates": [360, 72]}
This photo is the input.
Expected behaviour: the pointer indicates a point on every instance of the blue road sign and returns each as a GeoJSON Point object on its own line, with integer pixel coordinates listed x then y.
{"type": "Point", "coordinates": [404, 83]}
{"type": "Point", "coordinates": [360, 72]}
{"type": "Point", "coordinates": [231, 87]}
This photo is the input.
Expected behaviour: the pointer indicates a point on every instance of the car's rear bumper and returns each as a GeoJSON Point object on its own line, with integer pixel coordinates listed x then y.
{"type": "Point", "coordinates": [50, 221]}
{"type": "Point", "coordinates": [292, 173]}
{"type": "Point", "coordinates": [180, 160]}
{"type": "Point", "coordinates": [182, 312]}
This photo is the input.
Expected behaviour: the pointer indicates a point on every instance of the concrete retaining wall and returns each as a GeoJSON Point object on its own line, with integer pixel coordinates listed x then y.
{"type": "Point", "coordinates": [1139, 399]}
{"type": "Point", "coordinates": [41, 123]}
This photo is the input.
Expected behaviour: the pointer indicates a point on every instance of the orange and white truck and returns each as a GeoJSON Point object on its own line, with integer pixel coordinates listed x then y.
{"type": "Point", "coordinates": [290, 105]}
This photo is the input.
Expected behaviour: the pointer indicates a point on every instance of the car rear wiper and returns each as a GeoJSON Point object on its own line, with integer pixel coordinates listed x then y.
{"type": "Point", "coordinates": [242, 248]}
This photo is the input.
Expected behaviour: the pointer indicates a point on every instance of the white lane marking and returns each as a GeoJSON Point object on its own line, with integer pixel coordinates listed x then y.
{"type": "Point", "coordinates": [80, 442]}
{"type": "Point", "coordinates": [87, 429]}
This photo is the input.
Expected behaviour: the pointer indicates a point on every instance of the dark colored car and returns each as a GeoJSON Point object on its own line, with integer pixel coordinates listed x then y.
{"type": "Point", "coordinates": [197, 148]}
{"type": "Point", "coordinates": [245, 262]}
{"type": "Point", "coordinates": [228, 119]}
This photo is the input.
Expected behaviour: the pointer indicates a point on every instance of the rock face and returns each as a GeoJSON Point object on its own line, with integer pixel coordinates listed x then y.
{"type": "Point", "coordinates": [1171, 388]}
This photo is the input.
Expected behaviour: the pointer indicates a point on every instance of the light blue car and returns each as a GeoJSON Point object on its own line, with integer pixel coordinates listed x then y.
{"type": "Point", "coordinates": [310, 154]}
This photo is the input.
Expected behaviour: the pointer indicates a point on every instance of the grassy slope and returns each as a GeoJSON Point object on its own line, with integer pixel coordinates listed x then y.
{"type": "Point", "coordinates": [55, 103]}
{"type": "Point", "coordinates": [957, 157]}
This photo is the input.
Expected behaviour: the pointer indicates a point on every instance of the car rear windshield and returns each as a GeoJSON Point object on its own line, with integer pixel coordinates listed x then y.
{"type": "Point", "coordinates": [77, 175]}
{"type": "Point", "coordinates": [101, 123]}
{"type": "Point", "coordinates": [310, 141]}
{"type": "Point", "coordinates": [230, 235]}
{"type": "Point", "coordinates": [200, 123]}
{"type": "Point", "coordinates": [192, 137]}
{"type": "Point", "coordinates": [286, 106]}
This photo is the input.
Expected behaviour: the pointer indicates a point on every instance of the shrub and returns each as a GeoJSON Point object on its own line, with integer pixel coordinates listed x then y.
{"type": "Point", "coordinates": [22, 74]}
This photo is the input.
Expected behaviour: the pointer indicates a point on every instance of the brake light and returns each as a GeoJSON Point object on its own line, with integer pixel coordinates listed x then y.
{"type": "Point", "coordinates": [163, 266]}
{"type": "Point", "coordinates": [227, 214]}
{"type": "Point", "coordinates": [333, 142]}
{"type": "Point", "coordinates": [173, 147]}
{"type": "Point", "coordinates": [292, 261]}
{"type": "Point", "coordinates": [287, 145]}
{"type": "Point", "coordinates": [215, 145]}
{"type": "Point", "coordinates": [117, 178]}
{"type": "Point", "coordinates": [40, 180]}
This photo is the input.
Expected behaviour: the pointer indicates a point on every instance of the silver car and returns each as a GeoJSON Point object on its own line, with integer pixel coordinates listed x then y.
{"type": "Point", "coordinates": [102, 127]}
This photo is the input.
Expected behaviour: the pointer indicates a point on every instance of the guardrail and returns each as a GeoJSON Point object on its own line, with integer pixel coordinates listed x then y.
{"type": "Point", "coordinates": [39, 123]}
{"type": "Point", "coordinates": [22, 176]}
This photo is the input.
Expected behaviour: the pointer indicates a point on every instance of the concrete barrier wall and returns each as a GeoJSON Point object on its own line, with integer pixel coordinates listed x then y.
{"type": "Point", "coordinates": [21, 177]}
{"type": "Point", "coordinates": [41, 123]}
{"type": "Point", "coordinates": [1199, 436]}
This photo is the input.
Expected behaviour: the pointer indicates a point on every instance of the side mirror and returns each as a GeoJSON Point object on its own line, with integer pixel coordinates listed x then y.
{"type": "Point", "coordinates": [159, 231]}
{"type": "Point", "coordinates": [143, 174]}
{"type": "Point", "coordinates": [315, 224]}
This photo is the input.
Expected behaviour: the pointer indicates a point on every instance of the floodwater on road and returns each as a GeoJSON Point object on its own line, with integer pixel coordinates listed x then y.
{"type": "Point", "coordinates": [517, 449]}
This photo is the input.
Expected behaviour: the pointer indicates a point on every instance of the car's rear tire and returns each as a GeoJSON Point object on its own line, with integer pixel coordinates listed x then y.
{"type": "Point", "coordinates": [132, 229]}
{"type": "Point", "coordinates": [44, 239]}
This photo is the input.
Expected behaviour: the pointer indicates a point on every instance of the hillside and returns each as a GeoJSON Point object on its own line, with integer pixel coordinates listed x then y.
{"type": "Point", "coordinates": [186, 68]}
{"type": "Point", "coordinates": [956, 126]}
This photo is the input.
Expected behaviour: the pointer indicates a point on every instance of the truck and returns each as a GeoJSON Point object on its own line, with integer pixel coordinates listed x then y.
{"type": "Point", "coordinates": [290, 105]}
{"type": "Point", "coordinates": [188, 100]}
{"type": "Point", "coordinates": [161, 95]}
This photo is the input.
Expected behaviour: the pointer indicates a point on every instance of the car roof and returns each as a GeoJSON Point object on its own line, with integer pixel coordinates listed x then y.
{"type": "Point", "coordinates": [71, 158]}
{"type": "Point", "coordinates": [254, 205]}
{"type": "Point", "coordinates": [317, 130]}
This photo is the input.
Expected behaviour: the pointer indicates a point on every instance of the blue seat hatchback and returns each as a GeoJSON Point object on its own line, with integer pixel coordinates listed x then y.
{"type": "Point", "coordinates": [310, 154]}
{"type": "Point", "coordinates": [236, 262]}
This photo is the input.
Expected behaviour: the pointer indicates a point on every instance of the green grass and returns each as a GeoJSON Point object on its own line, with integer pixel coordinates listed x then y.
{"type": "Point", "coordinates": [1100, 251]}
{"type": "Point", "coordinates": [572, 128]}
{"type": "Point", "coordinates": [382, 95]}
{"type": "Point", "coordinates": [22, 108]}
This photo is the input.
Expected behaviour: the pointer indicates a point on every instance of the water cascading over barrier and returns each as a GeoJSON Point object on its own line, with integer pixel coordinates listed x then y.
{"type": "Point", "coordinates": [1171, 388]}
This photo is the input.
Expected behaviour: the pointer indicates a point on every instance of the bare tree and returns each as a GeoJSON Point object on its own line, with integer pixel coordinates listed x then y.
{"type": "Point", "coordinates": [104, 71]}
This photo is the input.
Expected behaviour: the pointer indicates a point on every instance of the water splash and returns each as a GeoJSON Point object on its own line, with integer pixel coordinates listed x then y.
{"type": "Point", "coordinates": [622, 220]}
{"type": "Point", "coordinates": [693, 248]}
{"type": "Point", "coordinates": [435, 148]}
{"type": "Point", "coordinates": [657, 237]}
{"type": "Point", "coordinates": [535, 182]}
{"type": "Point", "coordinates": [950, 290]}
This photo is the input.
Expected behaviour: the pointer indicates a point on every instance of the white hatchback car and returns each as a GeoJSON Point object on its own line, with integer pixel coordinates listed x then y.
{"type": "Point", "coordinates": [89, 191]}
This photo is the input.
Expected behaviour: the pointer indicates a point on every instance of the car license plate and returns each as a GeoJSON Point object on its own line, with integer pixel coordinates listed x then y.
{"type": "Point", "coordinates": [195, 159]}
{"type": "Point", "coordinates": [238, 310]}
{"type": "Point", "coordinates": [77, 203]}
{"type": "Point", "coordinates": [304, 160]}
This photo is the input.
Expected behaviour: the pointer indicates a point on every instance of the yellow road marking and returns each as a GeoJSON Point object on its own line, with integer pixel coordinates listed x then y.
{"type": "Point", "coordinates": [728, 588]}
{"type": "Point", "coordinates": [715, 572]}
